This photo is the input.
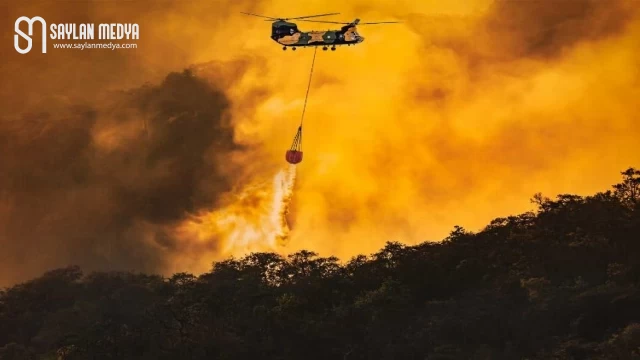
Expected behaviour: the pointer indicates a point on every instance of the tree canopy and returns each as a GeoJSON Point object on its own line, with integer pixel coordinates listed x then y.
{"type": "Point", "coordinates": [560, 282]}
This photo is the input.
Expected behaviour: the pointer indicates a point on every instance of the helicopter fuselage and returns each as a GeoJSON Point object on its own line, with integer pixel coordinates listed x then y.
{"type": "Point", "coordinates": [287, 34]}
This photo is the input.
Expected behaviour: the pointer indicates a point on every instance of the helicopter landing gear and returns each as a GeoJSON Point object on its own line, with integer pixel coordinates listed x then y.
{"type": "Point", "coordinates": [284, 48]}
{"type": "Point", "coordinates": [293, 48]}
{"type": "Point", "coordinates": [325, 48]}
{"type": "Point", "coordinates": [333, 48]}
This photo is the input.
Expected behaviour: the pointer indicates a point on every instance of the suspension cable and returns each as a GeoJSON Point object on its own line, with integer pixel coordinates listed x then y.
{"type": "Point", "coordinates": [315, 49]}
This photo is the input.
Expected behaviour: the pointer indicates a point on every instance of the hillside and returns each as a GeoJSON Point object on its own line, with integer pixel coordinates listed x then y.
{"type": "Point", "coordinates": [562, 282]}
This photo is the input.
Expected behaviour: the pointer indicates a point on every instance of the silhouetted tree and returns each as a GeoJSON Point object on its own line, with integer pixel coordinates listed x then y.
{"type": "Point", "coordinates": [561, 282]}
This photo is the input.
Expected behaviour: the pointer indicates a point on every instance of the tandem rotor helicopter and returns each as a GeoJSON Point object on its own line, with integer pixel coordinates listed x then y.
{"type": "Point", "coordinates": [287, 33]}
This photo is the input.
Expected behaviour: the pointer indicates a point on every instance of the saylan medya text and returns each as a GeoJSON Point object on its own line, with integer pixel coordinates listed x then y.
{"type": "Point", "coordinates": [87, 31]}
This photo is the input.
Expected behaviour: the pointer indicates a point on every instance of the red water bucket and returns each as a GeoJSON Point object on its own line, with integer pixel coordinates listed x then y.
{"type": "Point", "coordinates": [294, 156]}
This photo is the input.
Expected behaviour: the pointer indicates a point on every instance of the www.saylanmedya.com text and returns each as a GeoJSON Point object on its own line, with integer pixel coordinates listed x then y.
{"type": "Point", "coordinates": [86, 45]}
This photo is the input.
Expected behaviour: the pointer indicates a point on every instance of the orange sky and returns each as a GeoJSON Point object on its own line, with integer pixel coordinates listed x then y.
{"type": "Point", "coordinates": [454, 117]}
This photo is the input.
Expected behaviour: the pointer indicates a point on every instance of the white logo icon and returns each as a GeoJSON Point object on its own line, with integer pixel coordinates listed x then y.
{"type": "Point", "coordinates": [30, 21]}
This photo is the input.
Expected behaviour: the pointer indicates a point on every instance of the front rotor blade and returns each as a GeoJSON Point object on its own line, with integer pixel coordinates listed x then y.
{"type": "Point", "coordinates": [327, 22]}
{"type": "Point", "coordinates": [382, 22]}
{"type": "Point", "coordinates": [310, 16]}
{"type": "Point", "coordinates": [262, 16]}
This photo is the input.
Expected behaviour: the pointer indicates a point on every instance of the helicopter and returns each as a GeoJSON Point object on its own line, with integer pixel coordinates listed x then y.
{"type": "Point", "coordinates": [287, 33]}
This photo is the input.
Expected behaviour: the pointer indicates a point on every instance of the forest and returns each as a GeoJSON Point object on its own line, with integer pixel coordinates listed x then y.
{"type": "Point", "coordinates": [559, 282]}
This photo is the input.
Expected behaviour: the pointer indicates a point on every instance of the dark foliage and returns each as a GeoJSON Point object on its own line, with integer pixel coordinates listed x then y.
{"type": "Point", "coordinates": [560, 283]}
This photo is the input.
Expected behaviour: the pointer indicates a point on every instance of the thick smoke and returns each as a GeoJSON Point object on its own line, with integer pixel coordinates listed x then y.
{"type": "Point", "coordinates": [104, 186]}
{"type": "Point", "coordinates": [99, 176]}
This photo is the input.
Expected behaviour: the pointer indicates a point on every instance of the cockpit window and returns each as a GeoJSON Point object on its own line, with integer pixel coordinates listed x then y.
{"type": "Point", "coordinates": [286, 30]}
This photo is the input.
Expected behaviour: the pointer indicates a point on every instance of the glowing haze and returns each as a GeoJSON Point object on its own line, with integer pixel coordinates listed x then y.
{"type": "Point", "coordinates": [120, 160]}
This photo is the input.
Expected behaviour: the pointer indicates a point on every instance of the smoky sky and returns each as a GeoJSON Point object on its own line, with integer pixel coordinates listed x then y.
{"type": "Point", "coordinates": [472, 106]}
{"type": "Point", "coordinates": [101, 186]}
{"type": "Point", "coordinates": [544, 28]}
{"type": "Point", "coordinates": [518, 29]}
